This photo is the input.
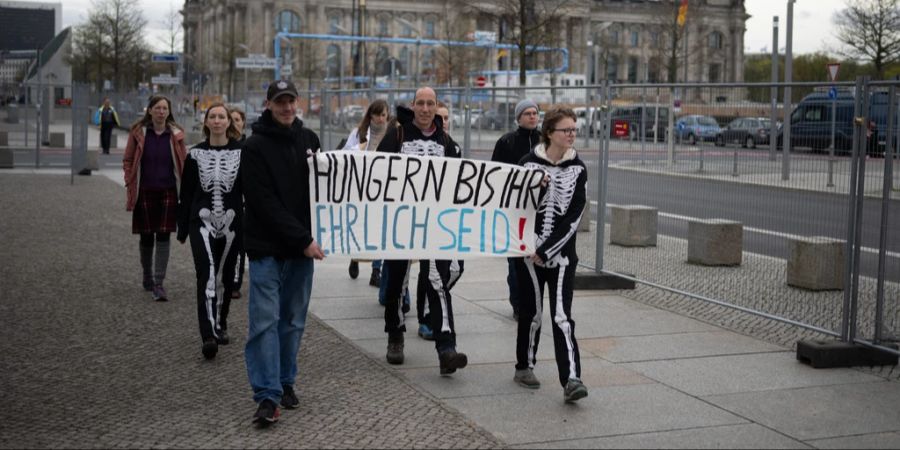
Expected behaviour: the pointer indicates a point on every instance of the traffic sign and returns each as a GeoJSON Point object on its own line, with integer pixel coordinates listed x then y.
{"type": "Point", "coordinates": [832, 70]}
{"type": "Point", "coordinates": [254, 63]}
{"type": "Point", "coordinates": [165, 58]}
{"type": "Point", "coordinates": [165, 79]}
{"type": "Point", "coordinates": [832, 93]}
{"type": "Point", "coordinates": [480, 81]}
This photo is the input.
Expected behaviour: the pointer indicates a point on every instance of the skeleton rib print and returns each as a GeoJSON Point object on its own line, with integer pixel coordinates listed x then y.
{"type": "Point", "coordinates": [218, 172]}
{"type": "Point", "coordinates": [558, 197]}
{"type": "Point", "coordinates": [419, 147]}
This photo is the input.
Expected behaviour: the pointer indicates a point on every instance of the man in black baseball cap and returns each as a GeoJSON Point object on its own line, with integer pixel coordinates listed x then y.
{"type": "Point", "coordinates": [277, 238]}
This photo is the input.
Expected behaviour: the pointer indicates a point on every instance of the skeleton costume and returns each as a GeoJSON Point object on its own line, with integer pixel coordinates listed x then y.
{"type": "Point", "coordinates": [556, 224]}
{"type": "Point", "coordinates": [210, 211]}
{"type": "Point", "coordinates": [406, 138]}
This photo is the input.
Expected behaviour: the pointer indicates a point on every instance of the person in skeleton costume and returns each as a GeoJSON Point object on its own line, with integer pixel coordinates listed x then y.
{"type": "Point", "coordinates": [419, 132]}
{"type": "Point", "coordinates": [153, 162]}
{"type": "Point", "coordinates": [366, 137]}
{"type": "Point", "coordinates": [554, 261]}
{"type": "Point", "coordinates": [238, 118]}
{"type": "Point", "coordinates": [210, 209]}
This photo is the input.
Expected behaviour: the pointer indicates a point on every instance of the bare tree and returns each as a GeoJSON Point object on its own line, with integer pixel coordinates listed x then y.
{"type": "Point", "coordinates": [110, 45]}
{"type": "Point", "coordinates": [524, 23]}
{"type": "Point", "coordinates": [456, 62]}
{"type": "Point", "coordinates": [124, 26]}
{"type": "Point", "coordinates": [171, 23]}
{"type": "Point", "coordinates": [870, 30]}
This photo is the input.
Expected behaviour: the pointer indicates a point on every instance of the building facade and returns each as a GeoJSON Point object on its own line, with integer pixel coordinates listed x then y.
{"type": "Point", "coordinates": [620, 40]}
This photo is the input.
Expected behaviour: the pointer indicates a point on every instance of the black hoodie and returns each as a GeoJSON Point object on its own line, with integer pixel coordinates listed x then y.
{"type": "Point", "coordinates": [405, 137]}
{"type": "Point", "coordinates": [513, 146]}
{"type": "Point", "coordinates": [275, 178]}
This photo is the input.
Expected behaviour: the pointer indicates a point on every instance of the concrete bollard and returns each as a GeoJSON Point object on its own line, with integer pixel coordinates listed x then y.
{"type": "Point", "coordinates": [715, 242]}
{"type": "Point", "coordinates": [4, 139]}
{"type": "Point", "coordinates": [816, 263]}
{"type": "Point", "coordinates": [113, 141]}
{"type": "Point", "coordinates": [633, 225]}
{"type": "Point", "coordinates": [585, 224]}
{"type": "Point", "coordinates": [92, 162]}
{"type": "Point", "coordinates": [57, 140]}
{"type": "Point", "coordinates": [6, 158]}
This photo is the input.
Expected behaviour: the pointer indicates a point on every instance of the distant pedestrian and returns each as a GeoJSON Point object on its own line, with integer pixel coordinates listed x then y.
{"type": "Point", "coordinates": [239, 119]}
{"type": "Point", "coordinates": [277, 238]}
{"type": "Point", "coordinates": [108, 119]}
{"type": "Point", "coordinates": [211, 210]}
{"type": "Point", "coordinates": [418, 132]}
{"type": "Point", "coordinates": [554, 261]}
{"type": "Point", "coordinates": [153, 163]}
{"type": "Point", "coordinates": [366, 137]}
{"type": "Point", "coordinates": [510, 149]}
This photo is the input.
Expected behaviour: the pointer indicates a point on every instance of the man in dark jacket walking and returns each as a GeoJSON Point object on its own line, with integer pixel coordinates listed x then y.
{"type": "Point", "coordinates": [510, 149]}
{"type": "Point", "coordinates": [277, 239]}
{"type": "Point", "coordinates": [419, 132]}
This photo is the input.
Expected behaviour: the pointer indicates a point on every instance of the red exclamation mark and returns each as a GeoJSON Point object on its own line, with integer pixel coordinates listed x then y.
{"type": "Point", "coordinates": [522, 233]}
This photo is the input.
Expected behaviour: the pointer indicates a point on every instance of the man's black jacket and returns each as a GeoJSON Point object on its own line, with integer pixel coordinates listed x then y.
{"type": "Point", "coordinates": [513, 146]}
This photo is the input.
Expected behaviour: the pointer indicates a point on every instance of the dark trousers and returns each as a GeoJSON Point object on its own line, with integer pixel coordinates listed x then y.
{"type": "Point", "coordinates": [106, 129]}
{"type": "Point", "coordinates": [560, 281]}
{"type": "Point", "coordinates": [439, 279]}
{"type": "Point", "coordinates": [214, 262]}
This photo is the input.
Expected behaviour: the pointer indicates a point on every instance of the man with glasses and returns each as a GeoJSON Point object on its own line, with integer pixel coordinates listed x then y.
{"type": "Point", "coordinates": [510, 149]}
{"type": "Point", "coordinates": [419, 132]}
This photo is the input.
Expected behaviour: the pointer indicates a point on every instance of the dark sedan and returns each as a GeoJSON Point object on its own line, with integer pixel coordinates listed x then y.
{"type": "Point", "coordinates": [747, 131]}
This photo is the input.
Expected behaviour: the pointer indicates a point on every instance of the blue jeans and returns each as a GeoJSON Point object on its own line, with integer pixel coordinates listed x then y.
{"type": "Point", "coordinates": [279, 298]}
{"type": "Point", "coordinates": [376, 264]}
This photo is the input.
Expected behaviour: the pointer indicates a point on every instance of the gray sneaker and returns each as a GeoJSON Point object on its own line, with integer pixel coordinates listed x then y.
{"type": "Point", "coordinates": [526, 378]}
{"type": "Point", "coordinates": [575, 390]}
{"type": "Point", "coordinates": [395, 352]}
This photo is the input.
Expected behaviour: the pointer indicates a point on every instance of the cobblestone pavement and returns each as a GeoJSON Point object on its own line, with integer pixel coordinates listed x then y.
{"type": "Point", "coordinates": [88, 360]}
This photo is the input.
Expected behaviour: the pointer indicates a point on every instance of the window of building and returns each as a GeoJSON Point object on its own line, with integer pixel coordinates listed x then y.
{"type": "Point", "coordinates": [654, 38]}
{"type": "Point", "coordinates": [287, 21]}
{"type": "Point", "coordinates": [715, 73]}
{"type": "Point", "coordinates": [632, 69]}
{"type": "Point", "coordinates": [635, 38]}
{"type": "Point", "coordinates": [613, 36]}
{"type": "Point", "coordinates": [383, 26]}
{"type": "Point", "coordinates": [429, 28]}
{"type": "Point", "coordinates": [333, 61]}
{"type": "Point", "coordinates": [406, 29]}
{"type": "Point", "coordinates": [653, 71]}
{"type": "Point", "coordinates": [427, 62]}
{"type": "Point", "coordinates": [405, 61]}
{"type": "Point", "coordinates": [612, 68]}
{"type": "Point", "coordinates": [716, 40]}
{"type": "Point", "coordinates": [334, 24]}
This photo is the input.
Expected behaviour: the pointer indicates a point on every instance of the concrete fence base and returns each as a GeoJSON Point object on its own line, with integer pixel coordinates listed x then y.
{"type": "Point", "coordinates": [816, 263]}
{"type": "Point", "coordinates": [92, 163]}
{"type": "Point", "coordinates": [113, 141]}
{"type": "Point", "coordinates": [57, 140]}
{"type": "Point", "coordinates": [6, 158]}
{"type": "Point", "coordinates": [4, 139]}
{"type": "Point", "coordinates": [585, 224]}
{"type": "Point", "coordinates": [715, 242]}
{"type": "Point", "coordinates": [633, 225]}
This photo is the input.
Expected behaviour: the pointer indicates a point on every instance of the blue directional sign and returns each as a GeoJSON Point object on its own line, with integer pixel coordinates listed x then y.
{"type": "Point", "coordinates": [165, 58]}
{"type": "Point", "coordinates": [832, 93]}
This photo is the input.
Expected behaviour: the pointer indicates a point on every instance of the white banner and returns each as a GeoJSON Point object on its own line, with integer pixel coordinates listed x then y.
{"type": "Point", "coordinates": [392, 206]}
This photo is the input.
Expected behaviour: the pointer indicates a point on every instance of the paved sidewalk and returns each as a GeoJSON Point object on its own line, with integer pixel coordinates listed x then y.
{"type": "Point", "coordinates": [90, 361]}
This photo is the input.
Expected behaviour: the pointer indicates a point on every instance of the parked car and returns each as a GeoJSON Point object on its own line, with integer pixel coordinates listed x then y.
{"type": "Point", "coordinates": [655, 121]}
{"type": "Point", "coordinates": [501, 118]}
{"type": "Point", "coordinates": [695, 128]}
{"type": "Point", "coordinates": [747, 131]}
{"type": "Point", "coordinates": [588, 119]}
{"type": "Point", "coordinates": [348, 116]}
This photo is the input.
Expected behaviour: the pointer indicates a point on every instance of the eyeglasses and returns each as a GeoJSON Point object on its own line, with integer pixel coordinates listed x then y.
{"type": "Point", "coordinates": [567, 131]}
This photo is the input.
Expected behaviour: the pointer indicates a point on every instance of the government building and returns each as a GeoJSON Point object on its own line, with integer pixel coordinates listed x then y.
{"type": "Point", "coordinates": [628, 41]}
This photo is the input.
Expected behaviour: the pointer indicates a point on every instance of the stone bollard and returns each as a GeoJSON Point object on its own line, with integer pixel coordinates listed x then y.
{"type": "Point", "coordinates": [113, 141]}
{"type": "Point", "coordinates": [633, 225]}
{"type": "Point", "coordinates": [6, 158]}
{"type": "Point", "coordinates": [585, 224]}
{"type": "Point", "coordinates": [58, 140]}
{"type": "Point", "coordinates": [91, 162]}
{"type": "Point", "coordinates": [816, 263]}
{"type": "Point", "coordinates": [4, 139]}
{"type": "Point", "coordinates": [715, 242]}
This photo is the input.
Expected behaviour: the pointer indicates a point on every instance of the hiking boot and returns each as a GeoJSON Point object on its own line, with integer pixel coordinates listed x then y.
{"type": "Point", "coordinates": [223, 339]}
{"type": "Point", "coordinates": [267, 413]}
{"type": "Point", "coordinates": [425, 332]}
{"type": "Point", "coordinates": [148, 283]}
{"type": "Point", "coordinates": [395, 351]}
{"type": "Point", "coordinates": [288, 397]}
{"type": "Point", "coordinates": [159, 293]}
{"type": "Point", "coordinates": [354, 269]}
{"type": "Point", "coordinates": [526, 379]}
{"type": "Point", "coordinates": [375, 279]}
{"type": "Point", "coordinates": [451, 360]}
{"type": "Point", "coordinates": [210, 348]}
{"type": "Point", "coordinates": [575, 390]}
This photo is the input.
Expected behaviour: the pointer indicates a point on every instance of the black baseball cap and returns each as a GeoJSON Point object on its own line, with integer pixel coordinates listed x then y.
{"type": "Point", "coordinates": [281, 87]}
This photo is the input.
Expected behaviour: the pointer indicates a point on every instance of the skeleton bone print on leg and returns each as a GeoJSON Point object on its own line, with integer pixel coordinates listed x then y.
{"type": "Point", "coordinates": [560, 190]}
{"type": "Point", "coordinates": [421, 147]}
{"type": "Point", "coordinates": [218, 172]}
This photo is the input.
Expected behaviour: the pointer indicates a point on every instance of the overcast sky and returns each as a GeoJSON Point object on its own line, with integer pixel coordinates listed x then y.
{"type": "Point", "coordinates": [813, 29]}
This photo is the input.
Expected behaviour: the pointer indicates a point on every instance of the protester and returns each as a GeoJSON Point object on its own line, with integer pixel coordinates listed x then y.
{"type": "Point", "coordinates": [277, 238]}
{"type": "Point", "coordinates": [108, 119]}
{"type": "Point", "coordinates": [153, 163]}
{"type": "Point", "coordinates": [364, 137]}
{"type": "Point", "coordinates": [239, 118]}
{"type": "Point", "coordinates": [210, 210]}
{"type": "Point", "coordinates": [555, 260]}
{"type": "Point", "coordinates": [510, 149]}
{"type": "Point", "coordinates": [418, 132]}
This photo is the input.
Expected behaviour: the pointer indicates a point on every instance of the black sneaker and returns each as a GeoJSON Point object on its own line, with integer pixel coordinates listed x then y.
{"type": "Point", "coordinates": [223, 339]}
{"type": "Point", "coordinates": [452, 360]}
{"type": "Point", "coordinates": [574, 391]}
{"type": "Point", "coordinates": [375, 279]}
{"type": "Point", "coordinates": [288, 397]}
{"type": "Point", "coordinates": [210, 348]}
{"type": "Point", "coordinates": [267, 414]}
{"type": "Point", "coordinates": [354, 269]}
{"type": "Point", "coordinates": [395, 351]}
